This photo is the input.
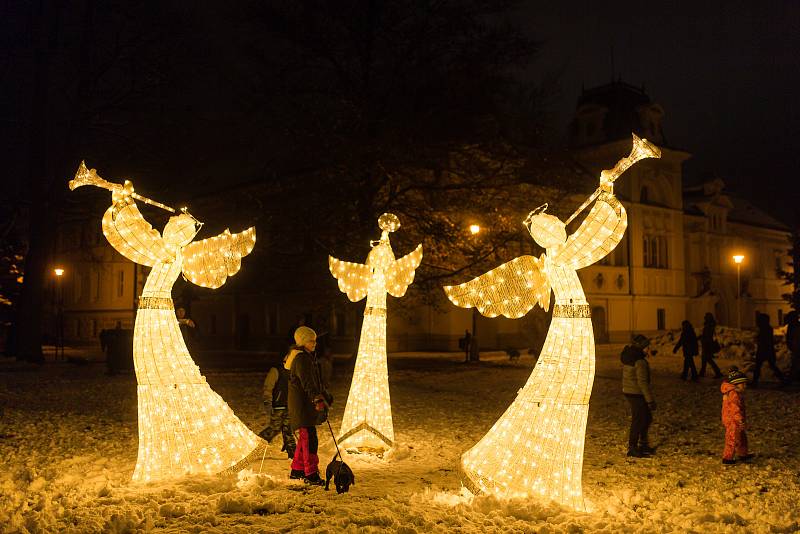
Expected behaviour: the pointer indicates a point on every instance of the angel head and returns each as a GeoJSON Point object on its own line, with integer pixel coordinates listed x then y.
{"type": "Point", "coordinates": [547, 230]}
{"type": "Point", "coordinates": [381, 256]}
{"type": "Point", "coordinates": [181, 229]}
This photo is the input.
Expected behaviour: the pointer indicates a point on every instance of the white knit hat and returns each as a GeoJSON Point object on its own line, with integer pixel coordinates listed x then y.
{"type": "Point", "coordinates": [303, 335]}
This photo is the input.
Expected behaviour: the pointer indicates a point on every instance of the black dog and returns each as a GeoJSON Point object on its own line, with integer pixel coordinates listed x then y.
{"type": "Point", "coordinates": [341, 474]}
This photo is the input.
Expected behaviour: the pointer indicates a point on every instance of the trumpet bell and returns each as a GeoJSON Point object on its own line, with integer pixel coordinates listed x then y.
{"type": "Point", "coordinates": [84, 176]}
{"type": "Point", "coordinates": [642, 148]}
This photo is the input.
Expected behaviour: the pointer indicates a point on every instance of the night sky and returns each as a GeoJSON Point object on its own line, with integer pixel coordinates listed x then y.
{"type": "Point", "coordinates": [726, 72]}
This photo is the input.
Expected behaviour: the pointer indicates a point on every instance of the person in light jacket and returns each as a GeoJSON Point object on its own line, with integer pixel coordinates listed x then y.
{"type": "Point", "coordinates": [636, 388]}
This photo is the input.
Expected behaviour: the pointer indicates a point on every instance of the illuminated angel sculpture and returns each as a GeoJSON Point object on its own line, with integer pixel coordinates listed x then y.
{"type": "Point", "coordinates": [184, 426]}
{"type": "Point", "coordinates": [367, 421]}
{"type": "Point", "coordinates": [535, 449]}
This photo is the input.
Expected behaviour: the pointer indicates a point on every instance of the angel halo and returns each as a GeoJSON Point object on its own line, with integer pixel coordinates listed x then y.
{"type": "Point", "coordinates": [185, 428]}
{"type": "Point", "coordinates": [367, 422]}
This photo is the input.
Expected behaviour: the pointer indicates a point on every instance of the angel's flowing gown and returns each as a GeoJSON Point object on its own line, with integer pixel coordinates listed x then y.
{"type": "Point", "coordinates": [536, 447]}
{"type": "Point", "coordinates": [184, 426]}
{"type": "Point", "coordinates": [367, 420]}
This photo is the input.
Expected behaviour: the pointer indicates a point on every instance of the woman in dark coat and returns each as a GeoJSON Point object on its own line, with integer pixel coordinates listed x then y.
{"type": "Point", "coordinates": [709, 345]}
{"type": "Point", "coordinates": [765, 349]}
{"type": "Point", "coordinates": [308, 404]}
{"type": "Point", "coordinates": [688, 341]}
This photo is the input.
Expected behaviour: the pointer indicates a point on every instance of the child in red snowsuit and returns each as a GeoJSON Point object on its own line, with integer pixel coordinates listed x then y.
{"type": "Point", "coordinates": [734, 417]}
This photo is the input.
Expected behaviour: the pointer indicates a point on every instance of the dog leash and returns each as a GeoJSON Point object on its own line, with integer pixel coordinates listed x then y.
{"type": "Point", "coordinates": [330, 428]}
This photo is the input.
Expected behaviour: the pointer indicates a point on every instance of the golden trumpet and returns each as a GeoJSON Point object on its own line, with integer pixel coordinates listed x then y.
{"type": "Point", "coordinates": [86, 176]}
{"type": "Point", "coordinates": [642, 149]}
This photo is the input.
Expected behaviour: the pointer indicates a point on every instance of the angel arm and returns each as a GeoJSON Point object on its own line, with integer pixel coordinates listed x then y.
{"type": "Point", "coordinates": [353, 277]}
{"type": "Point", "coordinates": [598, 234]}
{"type": "Point", "coordinates": [131, 235]}
{"type": "Point", "coordinates": [400, 275]}
{"type": "Point", "coordinates": [510, 290]}
{"type": "Point", "coordinates": [209, 263]}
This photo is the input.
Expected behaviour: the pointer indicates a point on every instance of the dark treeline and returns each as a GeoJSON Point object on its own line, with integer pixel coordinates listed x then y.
{"type": "Point", "coordinates": [308, 119]}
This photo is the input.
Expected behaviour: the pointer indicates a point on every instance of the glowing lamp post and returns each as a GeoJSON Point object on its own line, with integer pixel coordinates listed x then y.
{"type": "Point", "coordinates": [535, 449]}
{"type": "Point", "coordinates": [474, 229]}
{"type": "Point", "coordinates": [367, 422]}
{"type": "Point", "coordinates": [738, 259]}
{"type": "Point", "coordinates": [185, 428]}
{"type": "Point", "coordinates": [59, 272]}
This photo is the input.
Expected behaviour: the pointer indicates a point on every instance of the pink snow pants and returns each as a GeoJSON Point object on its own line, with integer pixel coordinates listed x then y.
{"type": "Point", "coordinates": [305, 456]}
{"type": "Point", "coordinates": [735, 442]}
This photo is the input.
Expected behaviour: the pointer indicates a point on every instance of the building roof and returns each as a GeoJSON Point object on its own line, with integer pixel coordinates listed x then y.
{"type": "Point", "coordinates": [622, 104]}
{"type": "Point", "coordinates": [739, 209]}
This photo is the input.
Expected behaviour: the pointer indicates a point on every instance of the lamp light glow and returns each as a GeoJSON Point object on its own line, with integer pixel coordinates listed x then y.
{"type": "Point", "coordinates": [58, 271]}
{"type": "Point", "coordinates": [185, 428]}
{"type": "Point", "coordinates": [535, 449]}
{"type": "Point", "coordinates": [367, 420]}
{"type": "Point", "coordinates": [738, 258]}
{"type": "Point", "coordinates": [474, 229]}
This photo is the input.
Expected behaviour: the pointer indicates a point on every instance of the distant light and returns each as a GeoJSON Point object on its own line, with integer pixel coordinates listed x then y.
{"type": "Point", "coordinates": [738, 258]}
{"type": "Point", "coordinates": [59, 271]}
{"type": "Point", "coordinates": [474, 229]}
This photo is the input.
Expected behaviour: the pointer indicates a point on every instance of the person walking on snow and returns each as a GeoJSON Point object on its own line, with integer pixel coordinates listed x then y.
{"type": "Point", "coordinates": [308, 405]}
{"type": "Point", "coordinates": [765, 349]}
{"type": "Point", "coordinates": [793, 343]}
{"type": "Point", "coordinates": [276, 402]}
{"type": "Point", "coordinates": [636, 388]}
{"type": "Point", "coordinates": [709, 345]}
{"type": "Point", "coordinates": [734, 417]}
{"type": "Point", "coordinates": [688, 341]}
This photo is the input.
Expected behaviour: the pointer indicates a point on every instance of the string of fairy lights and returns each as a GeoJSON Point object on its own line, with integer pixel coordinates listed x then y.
{"type": "Point", "coordinates": [367, 420]}
{"type": "Point", "coordinates": [185, 427]}
{"type": "Point", "coordinates": [535, 449]}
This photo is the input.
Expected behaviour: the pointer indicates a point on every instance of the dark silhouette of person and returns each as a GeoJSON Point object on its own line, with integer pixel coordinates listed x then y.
{"type": "Point", "coordinates": [765, 349]}
{"type": "Point", "coordinates": [688, 341]}
{"type": "Point", "coordinates": [465, 344]}
{"type": "Point", "coordinates": [709, 345]}
{"type": "Point", "coordinates": [793, 343]}
{"type": "Point", "coordinates": [187, 326]}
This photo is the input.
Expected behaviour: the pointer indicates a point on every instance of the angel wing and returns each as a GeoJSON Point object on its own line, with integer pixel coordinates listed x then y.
{"type": "Point", "coordinates": [400, 275]}
{"type": "Point", "coordinates": [209, 262]}
{"type": "Point", "coordinates": [510, 290]}
{"type": "Point", "coordinates": [353, 277]}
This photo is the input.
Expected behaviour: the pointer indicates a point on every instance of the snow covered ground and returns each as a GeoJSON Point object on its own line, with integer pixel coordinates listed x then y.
{"type": "Point", "coordinates": [69, 447]}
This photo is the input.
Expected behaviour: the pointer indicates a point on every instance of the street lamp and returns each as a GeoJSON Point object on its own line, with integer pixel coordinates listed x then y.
{"type": "Point", "coordinates": [59, 272]}
{"type": "Point", "coordinates": [474, 229]}
{"type": "Point", "coordinates": [737, 259]}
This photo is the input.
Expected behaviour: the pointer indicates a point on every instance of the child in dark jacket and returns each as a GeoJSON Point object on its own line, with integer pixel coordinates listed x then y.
{"type": "Point", "coordinates": [734, 417]}
{"type": "Point", "coordinates": [276, 402]}
{"type": "Point", "coordinates": [637, 390]}
{"type": "Point", "coordinates": [308, 405]}
{"type": "Point", "coordinates": [688, 341]}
